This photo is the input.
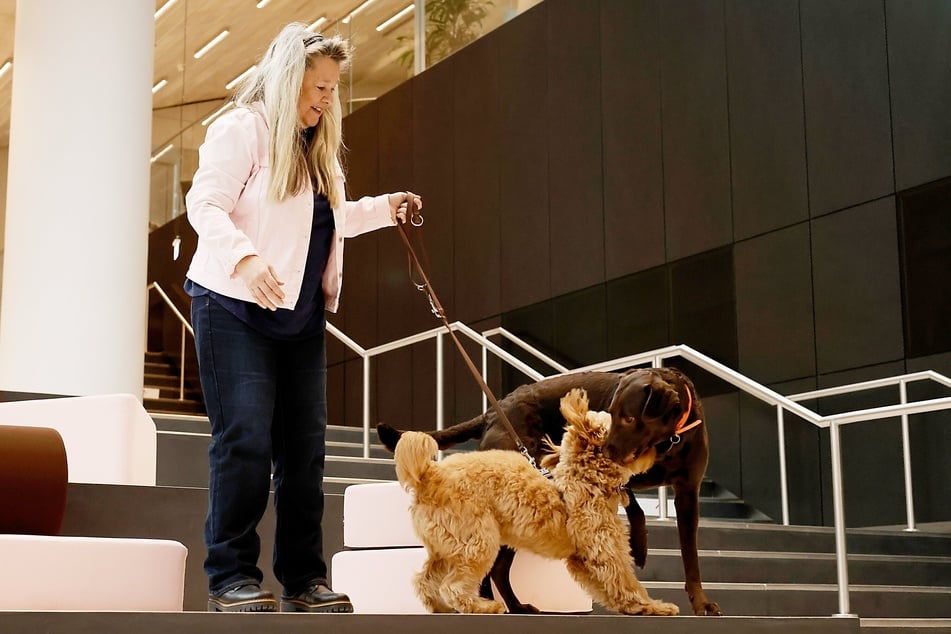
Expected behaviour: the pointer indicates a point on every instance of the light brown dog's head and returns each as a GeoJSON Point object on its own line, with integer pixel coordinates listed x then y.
{"type": "Point", "coordinates": [584, 442]}
{"type": "Point", "coordinates": [644, 413]}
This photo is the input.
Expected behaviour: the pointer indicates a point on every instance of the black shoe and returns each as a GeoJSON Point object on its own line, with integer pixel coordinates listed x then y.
{"type": "Point", "coordinates": [246, 598]}
{"type": "Point", "coordinates": [316, 598]}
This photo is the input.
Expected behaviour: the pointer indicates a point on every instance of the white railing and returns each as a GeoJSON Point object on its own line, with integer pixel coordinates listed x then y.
{"type": "Point", "coordinates": [656, 359]}
{"type": "Point", "coordinates": [186, 327]}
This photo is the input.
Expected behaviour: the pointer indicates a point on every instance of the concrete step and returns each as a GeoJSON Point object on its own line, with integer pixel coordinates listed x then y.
{"type": "Point", "coordinates": [179, 513]}
{"type": "Point", "coordinates": [173, 405]}
{"type": "Point", "coordinates": [905, 626]}
{"type": "Point", "coordinates": [223, 623]}
{"type": "Point", "coordinates": [759, 566]}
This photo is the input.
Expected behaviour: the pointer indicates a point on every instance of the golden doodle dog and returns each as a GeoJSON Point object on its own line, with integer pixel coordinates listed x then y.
{"type": "Point", "coordinates": [468, 505]}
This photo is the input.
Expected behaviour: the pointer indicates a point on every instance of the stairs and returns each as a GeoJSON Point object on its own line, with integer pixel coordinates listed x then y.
{"type": "Point", "coordinates": [162, 385]}
{"type": "Point", "coordinates": [766, 577]}
{"type": "Point", "coordinates": [751, 566]}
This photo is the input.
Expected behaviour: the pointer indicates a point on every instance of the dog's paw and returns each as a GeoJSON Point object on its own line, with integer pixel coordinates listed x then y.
{"type": "Point", "coordinates": [661, 608]}
{"type": "Point", "coordinates": [710, 608]}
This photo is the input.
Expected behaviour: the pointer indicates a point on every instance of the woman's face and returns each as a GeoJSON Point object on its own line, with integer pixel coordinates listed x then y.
{"type": "Point", "coordinates": [316, 94]}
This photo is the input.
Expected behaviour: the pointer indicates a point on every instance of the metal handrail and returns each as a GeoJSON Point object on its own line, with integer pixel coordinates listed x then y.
{"type": "Point", "coordinates": [155, 286]}
{"type": "Point", "coordinates": [656, 358]}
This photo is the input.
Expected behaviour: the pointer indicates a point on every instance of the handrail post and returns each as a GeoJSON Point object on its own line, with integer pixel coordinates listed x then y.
{"type": "Point", "coordinates": [366, 406]}
{"type": "Point", "coordinates": [906, 457]}
{"type": "Point", "coordinates": [440, 383]}
{"type": "Point", "coordinates": [181, 378]}
{"type": "Point", "coordinates": [838, 512]}
{"type": "Point", "coordinates": [485, 376]}
{"type": "Point", "coordinates": [657, 362]}
{"type": "Point", "coordinates": [783, 477]}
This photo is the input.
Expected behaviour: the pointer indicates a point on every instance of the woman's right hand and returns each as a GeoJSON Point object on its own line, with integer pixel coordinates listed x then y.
{"type": "Point", "coordinates": [261, 280]}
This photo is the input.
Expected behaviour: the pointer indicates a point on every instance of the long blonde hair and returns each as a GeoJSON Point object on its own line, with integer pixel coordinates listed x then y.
{"type": "Point", "coordinates": [277, 82]}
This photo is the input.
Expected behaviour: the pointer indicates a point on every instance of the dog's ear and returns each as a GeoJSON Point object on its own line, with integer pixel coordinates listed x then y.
{"type": "Point", "coordinates": [660, 399]}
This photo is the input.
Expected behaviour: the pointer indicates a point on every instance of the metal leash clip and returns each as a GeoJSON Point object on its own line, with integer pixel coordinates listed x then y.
{"type": "Point", "coordinates": [531, 460]}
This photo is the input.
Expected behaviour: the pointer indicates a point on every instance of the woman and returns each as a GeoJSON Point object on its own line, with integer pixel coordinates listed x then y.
{"type": "Point", "coordinates": [269, 207]}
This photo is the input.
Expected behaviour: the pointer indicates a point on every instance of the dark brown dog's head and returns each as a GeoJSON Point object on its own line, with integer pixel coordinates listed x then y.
{"type": "Point", "coordinates": [644, 413]}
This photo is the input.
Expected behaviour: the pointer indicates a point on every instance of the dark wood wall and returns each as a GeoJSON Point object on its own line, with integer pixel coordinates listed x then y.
{"type": "Point", "coordinates": [766, 182]}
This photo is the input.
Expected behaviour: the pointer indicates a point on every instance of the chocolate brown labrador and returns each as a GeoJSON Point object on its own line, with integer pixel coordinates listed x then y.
{"type": "Point", "coordinates": [653, 407]}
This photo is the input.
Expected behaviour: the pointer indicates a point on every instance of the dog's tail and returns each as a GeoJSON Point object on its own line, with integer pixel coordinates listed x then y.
{"type": "Point", "coordinates": [445, 438]}
{"type": "Point", "coordinates": [414, 457]}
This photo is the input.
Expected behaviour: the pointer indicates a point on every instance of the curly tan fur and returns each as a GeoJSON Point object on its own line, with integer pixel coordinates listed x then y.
{"type": "Point", "coordinates": [467, 506]}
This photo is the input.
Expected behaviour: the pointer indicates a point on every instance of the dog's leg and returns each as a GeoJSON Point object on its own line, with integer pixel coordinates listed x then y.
{"type": "Point", "coordinates": [428, 581]}
{"type": "Point", "coordinates": [500, 575]}
{"type": "Point", "coordinates": [611, 582]}
{"type": "Point", "coordinates": [460, 588]}
{"type": "Point", "coordinates": [687, 503]}
{"type": "Point", "coordinates": [469, 558]}
{"type": "Point", "coordinates": [638, 539]}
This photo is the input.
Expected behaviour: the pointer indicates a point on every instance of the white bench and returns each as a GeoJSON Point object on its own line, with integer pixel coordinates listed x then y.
{"type": "Point", "coordinates": [42, 571]}
{"type": "Point", "coordinates": [109, 439]}
{"type": "Point", "coordinates": [46, 573]}
{"type": "Point", "coordinates": [384, 554]}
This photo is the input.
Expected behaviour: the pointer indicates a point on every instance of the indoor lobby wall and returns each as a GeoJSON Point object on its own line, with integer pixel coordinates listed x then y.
{"type": "Point", "coordinates": [604, 178]}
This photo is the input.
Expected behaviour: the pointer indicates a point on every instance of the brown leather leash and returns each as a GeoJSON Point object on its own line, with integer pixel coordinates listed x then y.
{"type": "Point", "coordinates": [416, 221]}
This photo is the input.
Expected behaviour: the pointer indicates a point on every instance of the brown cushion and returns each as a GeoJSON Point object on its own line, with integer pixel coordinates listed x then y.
{"type": "Point", "coordinates": [33, 478]}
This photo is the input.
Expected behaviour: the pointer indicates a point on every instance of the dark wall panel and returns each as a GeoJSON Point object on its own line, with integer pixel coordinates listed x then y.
{"type": "Point", "coordinates": [703, 313]}
{"type": "Point", "coordinates": [574, 142]}
{"type": "Point", "coordinates": [358, 300]}
{"type": "Point", "coordinates": [846, 95]}
{"type": "Point", "coordinates": [476, 145]}
{"type": "Point", "coordinates": [723, 430]}
{"type": "Point", "coordinates": [930, 468]}
{"type": "Point", "coordinates": [581, 326]}
{"type": "Point", "coordinates": [767, 135]}
{"type": "Point", "coordinates": [696, 135]}
{"type": "Point", "coordinates": [523, 166]}
{"type": "Point", "coordinates": [857, 295]}
{"type": "Point", "coordinates": [433, 152]}
{"type": "Point", "coordinates": [432, 126]}
{"type": "Point", "coordinates": [924, 216]}
{"type": "Point", "coordinates": [637, 313]}
{"type": "Point", "coordinates": [919, 68]}
{"type": "Point", "coordinates": [775, 331]}
{"type": "Point", "coordinates": [803, 451]}
{"type": "Point", "coordinates": [759, 437]}
{"type": "Point", "coordinates": [871, 452]}
{"type": "Point", "coordinates": [631, 122]}
{"type": "Point", "coordinates": [396, 295]}
{"type": "Point", "coordinates": [534, 325]}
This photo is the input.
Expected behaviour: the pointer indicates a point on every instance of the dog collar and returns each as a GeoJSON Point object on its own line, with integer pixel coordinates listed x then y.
{"type": "Point", "coordinates": [682, 425]}
{"type": "Point", "coordinates": [680, 428]}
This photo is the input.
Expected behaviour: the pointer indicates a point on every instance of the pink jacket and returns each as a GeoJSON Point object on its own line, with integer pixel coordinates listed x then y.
{"type": "Point", "coordinates": [228, 207]}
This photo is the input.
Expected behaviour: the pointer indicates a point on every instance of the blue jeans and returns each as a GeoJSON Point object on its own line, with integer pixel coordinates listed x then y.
{"type": "Point", "coordinates": [266, 401]}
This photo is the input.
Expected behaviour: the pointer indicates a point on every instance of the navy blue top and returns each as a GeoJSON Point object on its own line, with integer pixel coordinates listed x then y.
{"type": "Point", "coordinates": [307, 318]}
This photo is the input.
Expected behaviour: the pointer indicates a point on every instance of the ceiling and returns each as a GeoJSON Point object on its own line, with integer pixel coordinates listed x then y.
{"type": "Point", "coordinates": [196, 87]}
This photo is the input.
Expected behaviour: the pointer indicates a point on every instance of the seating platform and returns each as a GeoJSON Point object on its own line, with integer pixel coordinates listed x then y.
{"type": "Point", "coordinates": [383, 553]}
{"type": "Point", "coordinates": [44, 572]}
{"type": "Point", "coordinates": [95, 440]}
{"type": "Point", "coordinates": [110, 439]}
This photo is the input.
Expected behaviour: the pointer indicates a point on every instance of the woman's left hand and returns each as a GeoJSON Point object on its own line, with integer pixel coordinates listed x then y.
{"type": "Point", "coordinates": [398, 205]}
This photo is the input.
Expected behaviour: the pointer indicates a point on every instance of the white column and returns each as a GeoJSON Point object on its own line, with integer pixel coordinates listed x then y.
{"type": "Point", "coordinates": [72, 315]}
